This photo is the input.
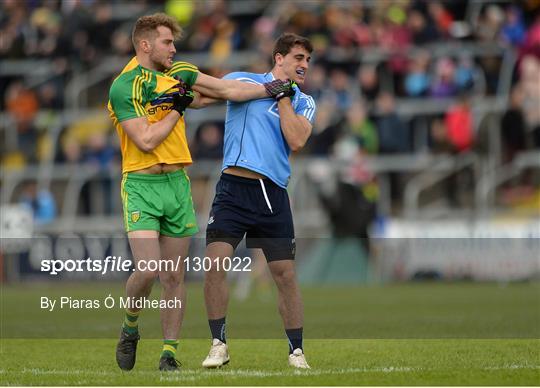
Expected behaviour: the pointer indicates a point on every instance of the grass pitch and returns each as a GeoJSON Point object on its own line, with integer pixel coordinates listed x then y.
{"type": "Point", "coordinates": [406, 334]}
{"type": "Point", "coordinates": [263, 362]}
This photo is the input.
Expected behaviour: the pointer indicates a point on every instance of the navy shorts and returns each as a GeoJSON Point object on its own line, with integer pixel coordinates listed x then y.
{"type": "Point", "coordinates": [256, 208]}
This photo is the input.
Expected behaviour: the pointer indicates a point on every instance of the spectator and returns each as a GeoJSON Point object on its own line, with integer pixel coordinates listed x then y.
{"type": "Point", "coordinates": [439, 138]}
{"type": "Point", "coordinates": [46, 22]}
{"type": "Point", "coordinates": [121, 42]}
{"type": "Point", "coordinates": [12, 29]}
{"type": "Point", "coordinates": [208, 142]}
{"type": "Point", "coordinates": [417, 80]}
{"type": "Point", "coordinates": [422, 29]}
{"type": "Point", "coordinates": [369, 83]}
{"type": "Point", "coordinates": [513, 30]}
{"type": "Point", "coordinates": [226, 39]}
{"type": "Point", "coordinates": [40, 202]}
{"type": "Point", "coordinates": [442, 17]}
{"type": "Point", "coordinates": [98, 151]}
{"type": "Point", "coordinates": [50, 97]}
{"type": "Point", "coordinates": [464, 74]}
{"type": "Point", "coordinates": [85, 141]}
{"type": "Point", "coordinates": [317, 82]}
{"type": "Point", "coordinates": [531, 45]}
{"type": "Point", "coordinates": [339, 91]}
{"type": "Point", "coordinates": [443, 83]}
{"type": "Point", "coordinates": [490, 23]}
{"type": "Point", "coordinates": [27, 140]}
{"type": "Point", "coordinates": [327, 130]}
{"type": "Point", "coordinates": [101, 28]}
{"type": "Point", "coordinates": [529, 81]}
{"type": "Point", "coordinates": [459, 125]}
{"type": "Point", "coordinates": [513, 127]}
{"type": "Point", "coordinates": [21, 103]}
{"type": "Point", "coordinates": [362, 129]}
{"type": "Point", "coordinates": [392, 132]}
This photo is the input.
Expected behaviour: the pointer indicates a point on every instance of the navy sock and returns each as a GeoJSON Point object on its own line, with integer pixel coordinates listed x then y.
{"type": "Point", "coordinates": [217, 327]}
{"type": "Point", "coordinates": [295, 339]}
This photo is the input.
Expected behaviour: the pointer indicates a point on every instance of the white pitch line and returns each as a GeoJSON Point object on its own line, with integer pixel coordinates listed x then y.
{"type": "Point", "coordinates": [197, 374]}
{"type": "Point", "coordinates": [194, 375]}
{"type": "Point", "coordinates": [513, 366]}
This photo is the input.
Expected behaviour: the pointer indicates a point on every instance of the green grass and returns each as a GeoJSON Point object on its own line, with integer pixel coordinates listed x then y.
{"type": "Point", "coordinates": [263, 362]}
{"type": "Point", "coordinates": [402, 334]}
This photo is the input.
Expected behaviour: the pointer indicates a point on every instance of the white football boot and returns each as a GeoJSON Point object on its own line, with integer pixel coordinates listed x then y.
{"type": "Point", "coordinates": [298, 360]}
{"type": "Point", "coordinates": [218, 355]}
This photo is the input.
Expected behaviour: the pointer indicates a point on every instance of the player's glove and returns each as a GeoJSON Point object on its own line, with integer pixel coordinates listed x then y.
{"type": "Point", "coordinates": [182, 98]}
{"type": "Point", "coordinates": [278, 89]}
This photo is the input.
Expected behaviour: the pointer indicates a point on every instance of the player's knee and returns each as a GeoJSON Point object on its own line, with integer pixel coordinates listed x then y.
{"type": "Point", "coordinates": [147, 277]}
{"type": "Point", "coordinates": [170, 279]}
{"type": "Point", "coordinates": [285, 276]}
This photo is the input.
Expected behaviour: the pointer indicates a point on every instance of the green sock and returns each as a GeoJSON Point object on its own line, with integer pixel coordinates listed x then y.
{"type": "Point", "coordinates": [169, 348]}
{"type": "Point", "coordinates": [130, 324]}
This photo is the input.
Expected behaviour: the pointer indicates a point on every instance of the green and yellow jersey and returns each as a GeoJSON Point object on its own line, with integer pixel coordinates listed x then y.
{"type": "Point", "coordinates": [141, 92]}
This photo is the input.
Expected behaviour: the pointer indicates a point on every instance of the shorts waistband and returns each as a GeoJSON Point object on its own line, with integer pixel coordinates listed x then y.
{"type": "Point", "coordinates": [247, 181]}
{"type": "Point", "coordinates": [133, 176]}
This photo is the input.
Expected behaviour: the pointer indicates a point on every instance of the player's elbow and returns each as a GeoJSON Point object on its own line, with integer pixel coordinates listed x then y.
{"type": "Point", "coordinates": [231, 95]}
{"type": "Point", "coordinates": [146, 148]}
{"type": "Point", "coordinates": [297, 144]}
{"type": "Point", "coordinates": [146, 145]}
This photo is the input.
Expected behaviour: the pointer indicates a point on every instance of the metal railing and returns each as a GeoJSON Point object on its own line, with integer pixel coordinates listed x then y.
{"type": "Point", "coordinates": [488, 183]}
{"type": "Point", "coordinates": [427, 170]}
{"type": "Point", "coordinates": [442, 169]}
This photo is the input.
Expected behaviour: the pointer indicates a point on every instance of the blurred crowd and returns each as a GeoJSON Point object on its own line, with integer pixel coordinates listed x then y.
{"type": "Point", "coordinates": [369, 57]}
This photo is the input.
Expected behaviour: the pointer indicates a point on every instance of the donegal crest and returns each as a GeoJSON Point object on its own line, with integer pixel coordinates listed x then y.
{"type": "Point", "coordinates": [135, 216]}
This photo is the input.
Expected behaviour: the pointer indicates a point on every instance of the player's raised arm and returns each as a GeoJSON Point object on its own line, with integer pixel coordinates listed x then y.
{"type": "Point", "coordinates": [232, 90]}
{"type": "Point", "coordinates": [295, 127]}
{"type": "Point", "coordinates": [228, 89]}
{"type": "Point", "coordinates": [148, 136]}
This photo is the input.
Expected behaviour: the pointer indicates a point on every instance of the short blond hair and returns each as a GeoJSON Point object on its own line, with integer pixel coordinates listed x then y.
{"type": "Point", "coordinates": [146, 27]}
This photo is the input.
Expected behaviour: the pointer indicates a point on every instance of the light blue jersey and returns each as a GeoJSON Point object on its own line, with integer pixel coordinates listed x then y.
{"type": "Point", "coordinates": [253, 137]}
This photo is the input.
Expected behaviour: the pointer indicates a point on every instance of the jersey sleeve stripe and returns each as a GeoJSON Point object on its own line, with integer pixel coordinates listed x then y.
{"type": "Point", "coordinates": [137, 96]}
{"type": "Point", "coordinates": [248, 80]}
{"type": "Point", "coordinates": [185, 64]}
{"type": "Point", "coordinates": [175, 70]}
{"type": "Point", "coordinates": [309, 111]}
{"type": "Point", "coordinates": [310, 114]}
{"type": "Point", "coordinates": [134, 96]}
{"type": "Point", "coordinates": [140, 99]}
{"type": "Point", "coordinates": [312, 103]}
{"type": "Point", "coordinates": [182, 66]}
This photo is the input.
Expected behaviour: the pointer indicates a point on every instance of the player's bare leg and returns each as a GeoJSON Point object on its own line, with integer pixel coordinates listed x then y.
{"type": "Point", "coordinates": [144, 246]}
{"type": "Point", "coordinates": [290, 308]}
{"type": "Point", "coordinates": [216, 289]}
{"type": "Point", "coordinates": [216, 297]}
{"type": "Point", "coordinates": [289, 299]}
{"type": "Point", "coordinates": [173, 250]}
{"type": "Point", "coordinates": [172, 283]}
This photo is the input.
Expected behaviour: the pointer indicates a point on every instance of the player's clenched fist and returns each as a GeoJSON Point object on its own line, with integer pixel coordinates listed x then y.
{"type": "Point", "coordinates": [182, 98]}
{"type": "Point", "coordinates": [280, 88]}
